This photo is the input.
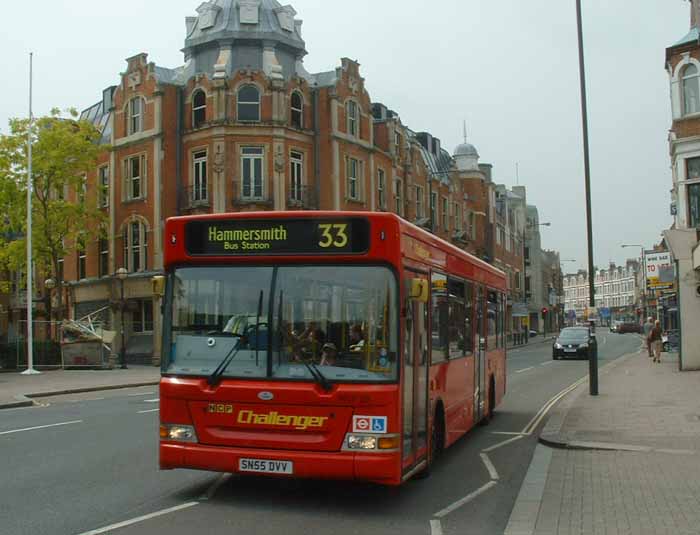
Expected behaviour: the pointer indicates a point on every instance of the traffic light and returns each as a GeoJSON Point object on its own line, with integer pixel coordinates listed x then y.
{"type": "Point", "coordinates": [545, 311]}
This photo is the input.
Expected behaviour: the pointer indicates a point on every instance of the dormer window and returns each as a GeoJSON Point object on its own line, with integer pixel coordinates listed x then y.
{"type": "Point", "coordinates": [199, 109]}
{"type": "Point", "coordinates": [249, 103]}
{"type": "Point", "coordinates": [353, 119]}
{"type": "Point", "coordinates": [135, 116]}
{"type": "Point", "coordinates": [691, 90]}
{"type": "Point", "coordinates": [297, 110]}
{"type": "Point", "coordinates": [249, 11]}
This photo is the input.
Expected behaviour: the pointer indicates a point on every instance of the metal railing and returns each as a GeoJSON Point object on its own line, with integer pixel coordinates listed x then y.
{"type": "Point", "coordinates": [193, 198]}
{"type": "Point", "coordinates": [250, 195]}
{"type": "Point", "coordinates": [302, 197]}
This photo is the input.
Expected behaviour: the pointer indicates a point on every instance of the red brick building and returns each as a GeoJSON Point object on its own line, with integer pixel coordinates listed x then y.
{"type": "Point", "coordinates": [243, 126]}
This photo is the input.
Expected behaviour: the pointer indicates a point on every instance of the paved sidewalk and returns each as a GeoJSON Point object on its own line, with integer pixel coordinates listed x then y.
{"type": "Point", "coordinates": [17, 390]}
{"type": "Point", "coordinates": [625, 462]}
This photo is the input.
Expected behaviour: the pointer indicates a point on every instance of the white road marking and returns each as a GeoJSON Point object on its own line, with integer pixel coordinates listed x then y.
{"type": "Point", "coordinates": [532, 425]}
{"type": "Point", "coordinates": [489, 466]}
{"type": "Point", "coordinates": [156, 400]}
{"type": "Point", "coordinates": [468, 498]}
{"type": "Point", "coordinates": [547, 363]}
{"type": "Point", "coordinates": [139, 519]}
{"type": "Point", "coordinates": [209, 494]}
{"type": "Point", "coordinates": [140, 394]}
{"type": "Point", "coordinates": [435, 527]}
{"type": "Point", "coordinates": [81, 400]}
{"type": "Point", "coordinates": [40, 427]}
{"type": "Point", "coordinates": [511, 433]}
{"type": "Point", "coordinates": [149, 410]}
{"type": "Point", "coordinates": [525, 369]}
{"type": "Point", "coordinates": [505, 442]}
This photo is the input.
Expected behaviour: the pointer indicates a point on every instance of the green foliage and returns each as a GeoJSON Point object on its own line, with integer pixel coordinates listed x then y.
{"type": "Point", "coordinates": [64, 151]}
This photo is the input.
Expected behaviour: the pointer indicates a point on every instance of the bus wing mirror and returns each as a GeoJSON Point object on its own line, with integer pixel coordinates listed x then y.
{"type": "Point", "coordinates": [158, 285]}
{"type": "Point", "coordinates": [419, 290]}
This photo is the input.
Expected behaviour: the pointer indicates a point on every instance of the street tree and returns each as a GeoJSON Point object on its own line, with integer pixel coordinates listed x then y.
{"type": "Point", "coordinates": [64, 150]}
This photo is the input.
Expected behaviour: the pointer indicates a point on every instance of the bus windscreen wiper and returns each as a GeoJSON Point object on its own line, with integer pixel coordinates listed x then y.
{"type": "Point", "coordinates": [318, 376]}
{"type": "Point", "coordinates": [215, 377]}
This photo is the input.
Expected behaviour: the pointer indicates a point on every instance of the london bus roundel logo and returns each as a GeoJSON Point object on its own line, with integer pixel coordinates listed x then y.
{"type": "Point", "coordinates": [266, 396]}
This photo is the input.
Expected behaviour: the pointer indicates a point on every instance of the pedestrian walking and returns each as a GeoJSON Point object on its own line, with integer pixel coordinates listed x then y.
{"type": "Point", "coordinates": [648, 326]}
{"type": "Point", "coordinates": [655, 341]}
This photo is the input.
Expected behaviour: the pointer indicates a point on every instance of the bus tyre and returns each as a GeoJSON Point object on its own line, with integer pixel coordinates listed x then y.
{"type": "Point", "coordinates": [437, 443]}
{"type": "Point", "coordinates": [486, 420]}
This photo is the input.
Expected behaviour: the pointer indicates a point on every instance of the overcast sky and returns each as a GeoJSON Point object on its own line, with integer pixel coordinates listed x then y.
{"type": "Point", "coordinates": [507, 67]}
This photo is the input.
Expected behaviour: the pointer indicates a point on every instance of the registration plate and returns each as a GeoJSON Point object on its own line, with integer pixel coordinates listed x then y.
{"type": "Point", "coordinates": [569, 351]}
{"type": "Point", "coordinates": [265, 466]}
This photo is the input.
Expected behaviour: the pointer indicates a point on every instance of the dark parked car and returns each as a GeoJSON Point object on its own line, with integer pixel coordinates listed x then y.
{"type": "Point", "coordinates": [575, 342]}
{"type": "Point", "coordinates": [629, 328]}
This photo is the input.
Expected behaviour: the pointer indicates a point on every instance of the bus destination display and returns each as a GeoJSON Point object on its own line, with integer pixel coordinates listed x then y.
{"type": "Point", "coordinates": [277, 236]}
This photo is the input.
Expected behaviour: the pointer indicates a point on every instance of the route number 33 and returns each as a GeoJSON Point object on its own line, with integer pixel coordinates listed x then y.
{"type": "Point", "coordinates": [333, 236]}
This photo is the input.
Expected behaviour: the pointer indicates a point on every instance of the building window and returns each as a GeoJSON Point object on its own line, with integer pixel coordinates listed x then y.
{"type": "Point", "coordinates": [433, 211]}
{"type": "Point", "coordinates": [82, 264]}
{"type": "Point", "coordinates": [134, 186]}
{"type": "Point", "coordinates": [142, 317]}
{"type": "Point", "coordinates": [297, 110]}
{"type": "Point", "coordinates": [420, 202]}
{"type": "Point", "coordinates": [249, 103]}
{"type": "Point", "coordinates": [398, 197]}
{"type": "Point", "coordinates": [252, 173]}
{"type": "Point", "coordinates": [692, 166]}
{"type": "Point", "coordinates": [135, 246]}
{"type": "Point", "coordinates": [351, 111]}
{"type": "Point", "coordinates": [135, 116]}
{"type": "Point", "coordinates": [472, 225]}
{"type": "Point", "coordinates": [398, 142]}
{"type": "Point", "coordinates": [691, 90]}
{"type": "Point", "coordinates": [61, 269]}
{"type": "Point", "coordinates": [103, 246]}
{"type": "Point", "coordinates": [103, 174]}
{"type": "Point", "coordinates": [199, 190]}
{"type": "Point", "coordinates": [458, 217]}
{"type": "Point", "coordinates": [354, 176]}
{"type": "Point", "coordinates": [445, 214]}
{"type": "Point", "coordinates": [381, 189]}
{"type": "Point", "coordinates": [694, 205]}
{"type": "Point", "coordinates": [199, 109]}
{"type": "Point", "coordinates": [296, 173]}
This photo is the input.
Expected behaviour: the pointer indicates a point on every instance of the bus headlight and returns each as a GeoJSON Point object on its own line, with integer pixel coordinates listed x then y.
{"type": "Point", "coordinates": [356, 442]}
{"type": "Point", "coordinates": [362, 442]}
{"type": "Point", "coordinates": [178, 433]}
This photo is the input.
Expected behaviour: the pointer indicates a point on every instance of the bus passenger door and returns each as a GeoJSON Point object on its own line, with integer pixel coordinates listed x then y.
{"type": "Point", "coordinates": [415, 381]}
{"type": "Point", "coordinates": [480, 360]}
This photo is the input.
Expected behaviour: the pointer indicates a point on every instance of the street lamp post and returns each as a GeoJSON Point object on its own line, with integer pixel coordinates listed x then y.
{"type": "Point", "coordinates": [122, 275]}
{"type": "Point", "coordinates": [593, 359]}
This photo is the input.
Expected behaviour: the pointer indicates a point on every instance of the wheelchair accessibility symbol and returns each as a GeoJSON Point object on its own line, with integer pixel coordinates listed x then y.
{"type": "Point", "coordinates": [379, 425]}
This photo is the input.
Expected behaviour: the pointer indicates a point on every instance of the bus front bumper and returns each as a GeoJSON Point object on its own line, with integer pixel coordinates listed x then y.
{"type": "Point", "coordinates": [383, 468]}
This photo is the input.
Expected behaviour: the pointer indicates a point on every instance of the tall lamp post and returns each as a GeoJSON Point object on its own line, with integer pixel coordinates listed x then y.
{"type": "Point", "coordinates": [122, 274]}
{"type": "Point", "coordinates": [642, 259]}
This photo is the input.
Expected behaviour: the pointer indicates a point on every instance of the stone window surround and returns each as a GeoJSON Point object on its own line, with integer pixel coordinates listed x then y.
{"type": "Point", "coordinates": [240, 86]}
{"type": "Point", "coordinates": [127, 179]}
{"type": "Point", "coordinates": [127, 247]}
{"type": "Point", "coordinates": [300, 163]}
{"type": "Point", "coordinates": [197, 159]}
{"type": "Point", "coordinates": [203, 107]}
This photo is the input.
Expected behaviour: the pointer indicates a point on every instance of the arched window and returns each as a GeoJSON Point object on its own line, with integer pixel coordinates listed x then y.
{"type": "Point", "coordinates": [199, 109]}
{"type": "Point", "coordinates": [249, 103]}
{"type": "Point", "coordinates": [297, 111]}
{"type": "Point", "coordinates": [135, 111]}
{"type": "Point", "coordinates": [351, 112]}
{"type": "Point", "coordinates": [135, 246]}
{"type": "Point", "coordinates": [691, 90]}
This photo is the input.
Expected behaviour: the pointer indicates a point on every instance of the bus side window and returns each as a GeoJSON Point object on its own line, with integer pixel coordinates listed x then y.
{"type": "Point", "coordinates": [469, 318]}
{"type": "Point", "coordinates": [457, 344]}
{"type": "Point", "coordinates": [439, 318]}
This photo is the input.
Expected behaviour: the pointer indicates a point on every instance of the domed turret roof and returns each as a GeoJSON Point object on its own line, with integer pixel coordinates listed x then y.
{"type": "Point", "coordinates": [466, 149]}
{"type": "Point", "coordinates": [240, 20]}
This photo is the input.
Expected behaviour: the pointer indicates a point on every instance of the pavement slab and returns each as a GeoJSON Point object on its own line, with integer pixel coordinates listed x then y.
{"type": "Point", "coordinates": [624, 462]}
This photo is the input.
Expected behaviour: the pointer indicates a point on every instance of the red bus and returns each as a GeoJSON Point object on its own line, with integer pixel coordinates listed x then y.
{"type": "Point", "coordinates": [340, 345]}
